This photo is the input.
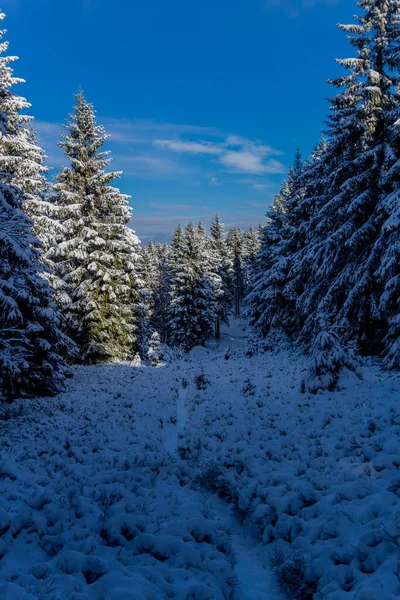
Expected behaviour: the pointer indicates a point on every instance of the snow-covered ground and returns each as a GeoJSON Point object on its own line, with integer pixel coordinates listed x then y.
{"type": "Point", "coordinates": [208, 478]}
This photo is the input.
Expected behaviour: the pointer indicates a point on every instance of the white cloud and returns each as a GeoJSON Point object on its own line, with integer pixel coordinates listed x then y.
{"type": "Point", "coordinates": [151, 149]}
{"type": "Point", "coordinates": [235, 152]}
{"type": "Point", "coordinates": [257, 147]}
{"type": "Point", "coordinates": [190, 147]}
{"type": "Point", "coordinates": [250, 162]}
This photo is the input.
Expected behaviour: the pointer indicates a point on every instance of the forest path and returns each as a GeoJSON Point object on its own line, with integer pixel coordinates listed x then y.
{"type": "Point", "coordinates": [254, 577]}
{"type": "Point", "coordinates": [255, 580]}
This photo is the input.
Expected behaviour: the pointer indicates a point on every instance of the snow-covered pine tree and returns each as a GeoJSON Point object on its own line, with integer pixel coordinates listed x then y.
{"type": "Point", "coordinates": [267, 303]}
{"type": "Point", "coordinates": [223, 266]}
{"type": "Point", "coordinates": [193, 290]}
{"type": "Point", "coordinates": [251, 249]}
{"type": "Point", "coordinates": [178, 246]}
{"type": "Point", "coordinates": [97, 257]}
{"type": "Point", "coordinates": [145, 282]}
{"type": "Point", "coordinates": [154, 305]}
{"type": "Point", "coordinates": [234, 244]}
{"type": "Point", "coordinates": [161, 291]}
{"type": "Point", "coordinates": [258, 299]}
{"type": "Point", "coordinates": [31, 345]}
{"type": "Point", "coordinates": [328, 359]}
{"type": "Point", "coordinates": [343, 250]}
{"type": "Point", "coordinates": [343, 234]}
{"type": "Point", "coordinates": [388, 247]}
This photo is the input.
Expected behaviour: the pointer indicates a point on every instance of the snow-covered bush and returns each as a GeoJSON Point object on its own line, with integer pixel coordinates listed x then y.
{"type": "Point", "coordinates": [201, 382]}
{"type": "Point", "coordinates": [289, 567]}
{"type": "Point", "coordinates": [327, 361]}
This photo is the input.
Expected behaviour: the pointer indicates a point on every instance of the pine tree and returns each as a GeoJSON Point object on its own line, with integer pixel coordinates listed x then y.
{"type": "Point", "coordinates": [340, 259]}
{"type": "Point", "coordinates": [223, 266]}
{"type": "Point", "coordinates": [234, 243]}
{"type": "Point", "coordinates": [161, 291]}
{"type": "Point", "coordinates": [388, 247]}
{"type": "Point", "coordinates": [270, 302]}
{"type": "Point", "coordinates": [96, 260]}
{"type": "Point", "coordinates": [251, 249]}
{"type": "Point", "coordinates": [31, 345]}
{"type": "Point", "coordinates": [193, 290]}
{"type": "Point", "coordinates": [154, 305]}
{"type": "Point", "coordinates": [346, 227]}
{"type": "Point", "coordinates": [328, 359]}
{"type": "Point", "coordinates": [146, 276]}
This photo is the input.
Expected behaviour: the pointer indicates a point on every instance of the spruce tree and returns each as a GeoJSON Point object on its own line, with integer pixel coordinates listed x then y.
{"type": "Point", "coordinates": [146, 276]}
{"type": "Point", "coordinates": [154, 304]}
{"type": "Point", "coordinates": [270, 304]}
{"type": "Point", "coordinates": [223, 266]}
{"type": "Point", "coordinates": [344, 233]}
{"type": "Point", "coordinates": [161, 291]}
{"type": "Point", "coordinates": [32, 346]}
{"type": "Point", "coordinates": [193, 290]}
{"type": "Point", "coordinates": [97, 257]}
{"type": "Point", "coordinates": [251, 249]}
{"type": "Point", "coordinates": [234, 243]}
{"type": "Point", "coordinates": [340, 259]}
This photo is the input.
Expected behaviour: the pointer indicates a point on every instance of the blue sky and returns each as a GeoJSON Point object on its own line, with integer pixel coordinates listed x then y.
{"type": "Point", "coordinates": [206, 101]}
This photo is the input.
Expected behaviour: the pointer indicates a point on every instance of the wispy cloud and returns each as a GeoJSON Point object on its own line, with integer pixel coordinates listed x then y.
{"type": "Point", "coordinates": [190, 147]}
{"type": "Point", "coordinates": [234, 152]}
{"type": "Point", "coordinates": [147, 130]}
{"type": "Point", "coordinates": [148, 149]}
{"type": "Point", "coordinates": [252, 163]}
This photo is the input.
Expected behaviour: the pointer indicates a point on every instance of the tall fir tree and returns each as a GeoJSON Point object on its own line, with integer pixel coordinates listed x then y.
{"type": "Point", "coordinates": [223, 266]}
{"type": "Point", "coordinates": [344, 290]}
{"type": "Point", "coordinates": [251, 249]}
{"type": "Point", "coordinates": [96, 260]}
{"type": "Point", "coordinates": [193, 289]}
{"type": "Point", "coordinates": [32, 346]}
{"type": "Point", "coordinates": [341, 254]}
{"type": "Point", "coordinates": [269, 303]}
{"type": "Point", "coordinates": [234, 243]}
{"type": "Point", "coordinates": [161, 291]}
{"type": "Point", "coordinates": [155, 277]}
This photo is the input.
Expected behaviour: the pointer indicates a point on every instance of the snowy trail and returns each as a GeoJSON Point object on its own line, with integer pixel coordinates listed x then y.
{"type": "Point", "coordinates": [235, 334]}
{"type": "Point", "coordinates": [254, 577]}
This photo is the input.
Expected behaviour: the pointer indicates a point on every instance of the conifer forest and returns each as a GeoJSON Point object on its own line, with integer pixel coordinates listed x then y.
{"type": "Point", "coordinates": [216, 417]}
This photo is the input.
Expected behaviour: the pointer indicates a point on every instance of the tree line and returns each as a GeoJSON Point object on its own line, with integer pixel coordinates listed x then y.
{"type": "Point", "coordinates": [328, 274]}
{"type": "Point", "coordinates": [192, 285]}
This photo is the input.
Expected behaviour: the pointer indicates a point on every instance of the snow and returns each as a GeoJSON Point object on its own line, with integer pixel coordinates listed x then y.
{"type": "Point", "coordinates": [255, 582]}
{"type": "Point", "coordinates": [171, 441]}
{"type": "Point", "coordinates": [139, 483]}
